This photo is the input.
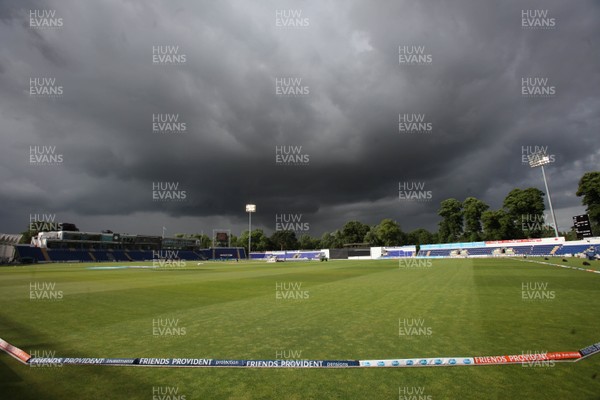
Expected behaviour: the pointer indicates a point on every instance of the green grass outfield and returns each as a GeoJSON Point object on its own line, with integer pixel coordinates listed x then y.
{"type": "Point", "coordinates": [351, 310]}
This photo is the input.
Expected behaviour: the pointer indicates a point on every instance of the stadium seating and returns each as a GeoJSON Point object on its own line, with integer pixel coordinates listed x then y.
{"type": "Point", "coordinates": [438, 253]}
{"type": "Point", "coordinates": [525, 250]}
{"type": "Point", "coordinates": [28, 252]}
{"type": "Point", "coordinates": [137, 255]}
{"type": "Point", "coordinates": [119, 255]}
{"type": "Point", "coordinates": [542, 250]}
{"type": "Point", "coordinates": [574, 249]}
{"type": "Point", "coordinates": [100, 255]}
{"type": "Point", "coordinates": [522, 250]}
{"type": "Point", "coordinates": [398, 253]}
{"type": "Point", "coordinates": [482, 251]}
{"type": "Point", "coordinates": [35, 254]}
{"type": "Point", "coordinates": [289, 255]}
{"type": "Point", "coordinates": [69, 255]}
{"type": "Point", "coordinates": [258, 256]}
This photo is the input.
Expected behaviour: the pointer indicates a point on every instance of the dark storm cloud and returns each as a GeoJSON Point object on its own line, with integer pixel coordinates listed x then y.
{"type": "Point", "coordinates": [347, 123]}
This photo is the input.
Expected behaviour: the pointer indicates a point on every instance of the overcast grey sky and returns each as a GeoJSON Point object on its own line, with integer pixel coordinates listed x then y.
{"type": "Point", "coordinates": [224, 83]}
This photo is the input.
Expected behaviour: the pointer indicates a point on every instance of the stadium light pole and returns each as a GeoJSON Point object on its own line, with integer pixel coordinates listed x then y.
{"type": "Point", "coordinates": [539, 160]}
{"type": "Point", "coordinates": [250, 208]}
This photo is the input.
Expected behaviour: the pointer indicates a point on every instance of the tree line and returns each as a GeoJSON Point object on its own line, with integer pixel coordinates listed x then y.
{"type": "Point", "coordinates": [521, 216]}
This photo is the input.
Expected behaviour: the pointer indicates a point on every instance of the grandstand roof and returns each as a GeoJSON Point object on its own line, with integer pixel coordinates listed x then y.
{"type": "Point", "coordinates": [10, 238]}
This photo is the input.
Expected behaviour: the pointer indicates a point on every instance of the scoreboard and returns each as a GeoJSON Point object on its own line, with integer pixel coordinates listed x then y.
{"type": "Point", "coordinates": [582, 226]}
{"type": "Point", "coordinates": [222, 237]}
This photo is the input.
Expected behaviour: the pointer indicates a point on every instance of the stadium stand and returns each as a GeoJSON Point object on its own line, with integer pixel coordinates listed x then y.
{"type": "Point", "coordinates": [29, 254]}
{"type": "Point", "coordinates": [438, 253]}
{"type": "Point", "coordinates": [257, 255]}
{"type": "Point", "coordinates": [7, 247]}
{"type": "Point", "coordinates": [290, 255]}
{"type": "Point", "coordinates": [394, 252]}
{"type": "Point", "coordinates": [398, 253]}
{"type": "Point", "coordinates": [576, 249]}
{"type": "Point", "coordinates": [72, 246]}
{"type": "Point", "coordinates": [522, 247]}
{"type": "Point", "coordinates": [482, 251]}
{"type": "Point", "coordinates": [75, 246]}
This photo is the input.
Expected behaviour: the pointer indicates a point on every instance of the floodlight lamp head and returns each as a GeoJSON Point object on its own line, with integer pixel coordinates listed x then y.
{"type": "Point", "coordinates": [250, 208]}
{"type": "Point", "coordinates": [538, 160]}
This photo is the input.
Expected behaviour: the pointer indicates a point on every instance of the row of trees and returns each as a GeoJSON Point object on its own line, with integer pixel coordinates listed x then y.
{"type": "Point", "coordinates": [522, 215]}
{"type": "Point", "coordinates": [386, 233]}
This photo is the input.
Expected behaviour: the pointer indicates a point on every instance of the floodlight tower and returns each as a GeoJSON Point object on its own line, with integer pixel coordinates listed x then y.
{"type": "Point", "coordinates": [250, 208]}
{"type": "Point", "coordinates": [540, 159]}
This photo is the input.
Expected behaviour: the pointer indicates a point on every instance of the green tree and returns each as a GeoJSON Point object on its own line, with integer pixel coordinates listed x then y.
{"type": "Point", "coordinates": [327, 240]}
{"type": "Point", "coordinates": [265, 244]}
{"type": "Point", "coordinates": [472, 210]}
{"type": "Point", "coordinates": [571, 235]}
{"type": "Point", "coordinates": [284, 240]}
{"type": "Point", "coordinates": [243, 241]}
{"type": "Point", "coordinates": [526, 208]}
{"type": "Point", "coordinates": [451, 226]}
{"type": "Point", "coordinates": [420, 236]}
{"type": "Point", "coordinates": [205, 241]}
{"type": "Point", "coordinates": [354, 232]}
{"type": "Point", "coordinates": [27, 235]}
{"type": "Point", "coordinates": [589, 191]}
{"type": "Point", "coordinates": [306, 242]}
{"type": "Point", "coordinates": [372, 238]}
{"type": "Point", "coordinates": [260, 242]}
{"type": "Point", "coordinates": [338, 240]}
{"type": "Point", "coordinates": [387, 233]}
{"type": "Point", "coordinates": [498, 225]}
